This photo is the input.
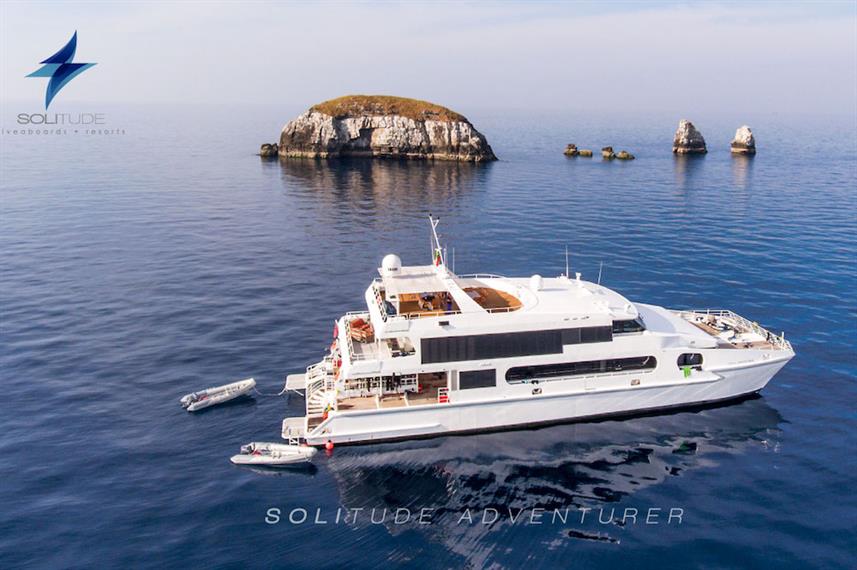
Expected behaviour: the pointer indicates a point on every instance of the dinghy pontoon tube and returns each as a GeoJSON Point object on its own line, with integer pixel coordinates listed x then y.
{"type": "Point", "coordinates": [260, 453]}
{"type": "Point", "coordinates": [217, 395]}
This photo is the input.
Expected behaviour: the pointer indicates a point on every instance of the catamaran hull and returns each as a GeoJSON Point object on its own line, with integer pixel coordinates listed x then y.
{"type": "Point", "coordinates": [373, 426]}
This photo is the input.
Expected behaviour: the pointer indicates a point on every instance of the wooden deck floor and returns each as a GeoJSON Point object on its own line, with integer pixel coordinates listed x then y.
{"type": "Point", "coordinates": [412, 304]}
{"type": "Point", "coordinates": [762, 344]}
{"type": "Point", "coordinates": [489, 298]}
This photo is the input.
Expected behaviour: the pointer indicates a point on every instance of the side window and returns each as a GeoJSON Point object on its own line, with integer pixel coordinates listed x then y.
{"type": "Point", "coordinates": [632, 326]}
{"type": "Point", "coordinates": [596, 334]}
{"type": "Point", "coordinates": [690, 359]}
{"type": "Point", "coordinates": [468, 379]}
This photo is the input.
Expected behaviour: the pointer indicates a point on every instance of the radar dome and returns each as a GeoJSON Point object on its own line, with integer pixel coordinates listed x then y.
{"type": "Point", "coordinates": [536, 282]}
{"type": "Point", "coordinates": [391, 264]}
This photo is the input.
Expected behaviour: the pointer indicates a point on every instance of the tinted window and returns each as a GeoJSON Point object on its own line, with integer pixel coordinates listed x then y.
{"type": "Point", "coordinates": [632, 326]}
{"type": "Point", "coordinates": [542, 371]}
{"type": "Point", "coordinates": [506, 345]}
{"type": "Point", "coordinates": [483, 347]}
{"type": "Point", "coordinates": [688, 359]}
{"type": "Point", "coordinates": [596, 334]}
{"type": "Point", "coordinates": [477, 379]}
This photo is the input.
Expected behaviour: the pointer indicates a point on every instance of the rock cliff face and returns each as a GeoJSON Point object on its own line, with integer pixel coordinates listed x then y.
{"type": "Point", "coordinates": [688, 140]}
{"type": "Point", "coordinates": [383, 127]}
{"type": "Point", "coordinates": [744, 142]}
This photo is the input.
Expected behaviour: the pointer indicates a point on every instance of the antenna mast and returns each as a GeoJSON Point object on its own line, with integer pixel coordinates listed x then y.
{"type": "Point", "coordinates": [437, 250]}
{"type": "Point", "coordinates": [567, 274]}
{"type": "Point", "coordinates": [600, 267]}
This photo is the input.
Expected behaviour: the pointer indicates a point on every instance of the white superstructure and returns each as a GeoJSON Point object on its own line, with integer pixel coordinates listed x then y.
{"type": "Point", "coordinates": [437, 353]}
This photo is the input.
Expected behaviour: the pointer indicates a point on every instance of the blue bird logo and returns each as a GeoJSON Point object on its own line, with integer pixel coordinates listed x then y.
{"type": "Point", "coordinates": [60, 69]}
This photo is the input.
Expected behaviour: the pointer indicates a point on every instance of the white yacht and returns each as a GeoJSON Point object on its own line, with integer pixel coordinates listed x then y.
{"type": "Point", "coordinates": [436, 353]}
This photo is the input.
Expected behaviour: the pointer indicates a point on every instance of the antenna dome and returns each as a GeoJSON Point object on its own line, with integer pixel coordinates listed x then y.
{"type": "Point", "coordinates": [391, 264]}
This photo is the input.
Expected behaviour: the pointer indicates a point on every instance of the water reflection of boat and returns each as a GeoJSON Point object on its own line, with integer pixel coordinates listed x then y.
{"type": "Point", "coordinates": [586, 465]}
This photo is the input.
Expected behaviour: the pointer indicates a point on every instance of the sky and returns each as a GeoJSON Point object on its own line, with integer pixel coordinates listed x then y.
{"type": "Point", "coordinates": [636, 56]}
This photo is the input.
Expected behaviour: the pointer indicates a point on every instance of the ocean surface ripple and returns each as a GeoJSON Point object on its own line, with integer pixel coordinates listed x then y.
{"type": "Point", "coordinates": [136, 269]}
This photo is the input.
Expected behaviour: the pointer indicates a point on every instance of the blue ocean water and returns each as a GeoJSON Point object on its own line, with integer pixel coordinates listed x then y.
{"type": "Point", "coordinates": [139, 267]}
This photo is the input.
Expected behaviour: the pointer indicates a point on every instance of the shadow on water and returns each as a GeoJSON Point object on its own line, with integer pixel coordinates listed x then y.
{"type": "Point", "coordinates": [742, 170]}
{"type": "Point", "coordinates": [688, 170]}
{"type": "Point", "coordinates": [584, 465]}
{"type": "Point", "coordinates": [296, 469]}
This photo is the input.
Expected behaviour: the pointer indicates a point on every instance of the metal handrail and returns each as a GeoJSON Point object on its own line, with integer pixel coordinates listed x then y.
{"type": "Point", "coordinates": [481, 276]}
{"type": "Point", "coordinates": [441, 313]}
{"type": "Point", "coordinates": [351, 353]}
{"type": "Point", "coordinates": [380, 302]}
{"type": "Point", "coordinates": [317, 378]}
{"type": "Point", "coordinates": [776, 340]}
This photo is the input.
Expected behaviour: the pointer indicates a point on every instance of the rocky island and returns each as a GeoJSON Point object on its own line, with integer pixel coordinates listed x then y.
{"type": "Point", "coordinates": [688, 140]}
{"type": "Point", "coordinates": [378, 126]}
{"type": "Point", "coordinates": [744, 142]}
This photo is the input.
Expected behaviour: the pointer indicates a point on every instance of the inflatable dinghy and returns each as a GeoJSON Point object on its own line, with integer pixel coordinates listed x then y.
{"type": "Point", "coordinates": [273, 454]}
{"type": "Point", "coordinates": [217, 395]}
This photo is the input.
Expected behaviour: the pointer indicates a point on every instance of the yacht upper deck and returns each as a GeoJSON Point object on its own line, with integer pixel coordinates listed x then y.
{"type": "Point", "coordinates": [421, 297]}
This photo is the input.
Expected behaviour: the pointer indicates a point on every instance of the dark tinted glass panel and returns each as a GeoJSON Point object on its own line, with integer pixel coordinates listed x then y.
{"type": "Point", "coordinates": [596, 334]}
{"type": "Point", "coordinates": [482, 347]}
{"type": "Point", "coordinates": [688, 359]}
{"type": "Point", "coordinates": [522, 373]}
{"type": "Point", "coordinates": [632, 326]}
{"type": "Point", "coordinates": [571, 336]}
{"type": "Point", "coordinates": [477, 379]}
{"type": "Point", "coordinates": [506, 345]}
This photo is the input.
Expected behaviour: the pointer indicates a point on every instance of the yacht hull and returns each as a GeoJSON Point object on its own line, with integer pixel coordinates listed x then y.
{"type": "Point", "coordinates": [550, 406]}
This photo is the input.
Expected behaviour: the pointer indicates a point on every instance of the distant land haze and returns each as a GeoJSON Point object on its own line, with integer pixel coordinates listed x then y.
{"type": "Point", "coordinates": [633, 57]}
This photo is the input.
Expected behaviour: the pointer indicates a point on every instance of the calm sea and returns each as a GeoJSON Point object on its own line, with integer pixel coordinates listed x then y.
{"type": "Point", "coordinates": [139, 267]}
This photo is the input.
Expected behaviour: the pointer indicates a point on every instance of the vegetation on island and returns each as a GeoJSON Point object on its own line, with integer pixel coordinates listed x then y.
{"type": "Point", "coordinates": [361, 105]}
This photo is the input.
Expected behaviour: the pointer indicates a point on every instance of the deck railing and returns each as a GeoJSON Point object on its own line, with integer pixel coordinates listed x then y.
{"type": "Point", "coordinates": [350, 341]}
{"type": "Point", "coordinates": [379, 299]}
{"type": "Point", "coordinates": [778, 341]}
{"type": "Point", "coordinates": [318, 379]}
{"type": "Point", "coordinates": [480, 276]}
{"type": "Point", "coordinates": [376, 288]}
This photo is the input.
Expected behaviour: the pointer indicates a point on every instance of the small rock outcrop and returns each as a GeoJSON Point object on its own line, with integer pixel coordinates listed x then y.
{"type": "Point", "coordinates": [269, 150]}
{"type": "Point", "coordinates": [379, 126]}
{"type": "Point", "coordinates": [625, 155]}
{"type": "Point", "coordinates": [744, 142]}
{"type": "Point", "coordinates": [688, 140]}
{"type": "Point", "coordinates": [584, 153]}
{"type": "Point", "coordinates": [570, 150]}
{"type": "Point", "coordinates": [607, 152]}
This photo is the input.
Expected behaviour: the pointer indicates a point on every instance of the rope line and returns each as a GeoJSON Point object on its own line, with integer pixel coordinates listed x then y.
{"type": "Point", "coordinates": [281, 392]}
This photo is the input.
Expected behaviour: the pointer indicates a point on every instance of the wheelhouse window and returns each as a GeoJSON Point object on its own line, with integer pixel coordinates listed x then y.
{"type": "Point", "coordinates": [468, 379]}
{"type": "Point", "coordinates": [520, 374]}
{"type": "Point", "coordinates": [630, 326]}
{"type": "Point", "coordinates": [508, 345]}
{"type": "Point", "coordinates": [690, 359]}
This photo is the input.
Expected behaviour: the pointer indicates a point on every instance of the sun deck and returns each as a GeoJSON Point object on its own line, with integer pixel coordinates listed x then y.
{"type": "Point", "coordinates": [734, 331]}
{"type": "Point", "coordinates": [493, 299]}
{"type": "Point", "coordinates": [427, 304]}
